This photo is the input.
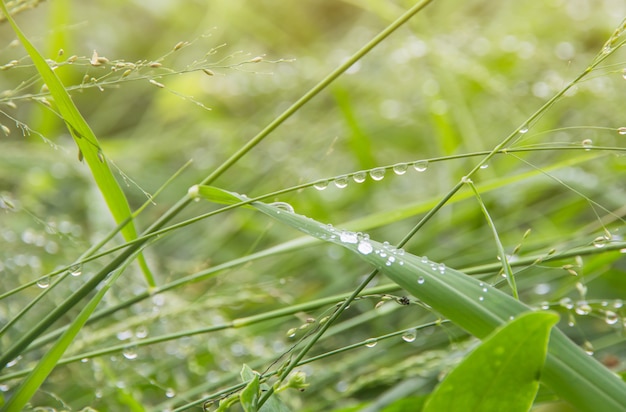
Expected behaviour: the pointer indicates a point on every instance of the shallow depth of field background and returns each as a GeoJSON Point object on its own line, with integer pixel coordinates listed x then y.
{"type": "Point", "coordinates": [455, 80]}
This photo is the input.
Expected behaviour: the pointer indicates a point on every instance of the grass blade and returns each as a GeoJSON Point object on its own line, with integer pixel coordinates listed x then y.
{"type": "Point", "coordinates": [33, 381]}
{"type": "Point", "coordinates": [88, 145]}
{"type": "Point", "coordinates": [473, 305]}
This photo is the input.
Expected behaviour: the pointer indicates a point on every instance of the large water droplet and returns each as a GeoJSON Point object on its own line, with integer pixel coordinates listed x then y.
{"type": "Point", "coordinates": [76, 270]}
{"type": "Point", "coordinates": [292, 332]}
{"type": "Point", "coordinates": [588, 348]}
{"type": "Point", "coordinates": [370, 343]}
{"type": "Point", "coordinates": [587, 144]}
{"type": "Point", "coordinates": [622, 131]}
{"type": "Point", "coordinates": [377, 174]}
{"type": "Point", "coordinates": [365, 247]}
{"type": "Point", "coordinates": [321, 185]}
{"type": "Point", "coordinates": [486, 165]}
{"type": "Point", "coordinates": [545, 305]}
{"type": "Point", "coordinates": [421, 280]}
{"type": "Point", "coordinates": [44, 282]}
{"type": "Point", "coordinates": [523, 130]}
{"type": "Point", "coordinates": [582, 308]}
{"type": "Point", "coordinates": [610, 317]}
{"type": "Point", "coordinates": [420, 165]}
{"type": "Point", "coordinates": [341, 182]}
{"type": "Point", "coordinates": [359, 177]}
{"type": "Point", "coordinates": [170, 393]}
{"type": "Point", "coordinates": [400, 168]}
{"type": "Point", "coordinates": [409, 335]}
{"type": "Point", "coordinates": [130, 352]}
{"type": "Point", "coordinates": [348, 237]}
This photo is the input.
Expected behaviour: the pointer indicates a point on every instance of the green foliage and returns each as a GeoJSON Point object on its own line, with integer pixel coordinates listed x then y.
{"type": "Point", "coordinates": [502, 373]}
{"type": "Point", "coordinates": [486, 136]}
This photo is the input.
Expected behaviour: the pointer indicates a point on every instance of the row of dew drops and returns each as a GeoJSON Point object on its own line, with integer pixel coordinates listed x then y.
{"type": "Point", "coordinates": [376, 174]}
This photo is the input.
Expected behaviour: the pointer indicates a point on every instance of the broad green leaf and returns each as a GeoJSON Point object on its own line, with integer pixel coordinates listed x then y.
{"type": "Point", "coordinates": [88, 145]}
{"type": "Point", "coordinates": [502, 374]}
{"type": "Point", "coordinates": [473, 305]}
{"type": "Point", "coordinates": [249, 396]}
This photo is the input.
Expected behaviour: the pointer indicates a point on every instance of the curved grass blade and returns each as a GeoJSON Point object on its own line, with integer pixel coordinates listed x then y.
{"type": "Point", "coordinates": [509, 364]}
{"type": "Point", "coordinates": [88, 145]}
{"type": "Point", "coordinates": [471, 304]}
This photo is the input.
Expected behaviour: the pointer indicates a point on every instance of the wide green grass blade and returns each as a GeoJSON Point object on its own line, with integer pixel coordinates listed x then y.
{"type": "Point", "coordinates": [88, 145]}
{"type": "Point", "coordinates": [33, 381]}
{"type": "Point", "coordinates": [473, 305]}
{"type": "Point", "coordinates": [502, 374]}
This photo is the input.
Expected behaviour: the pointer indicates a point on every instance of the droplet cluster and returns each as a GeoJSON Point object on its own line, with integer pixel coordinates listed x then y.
{"type": "Point", "coordinates": [377, 174]}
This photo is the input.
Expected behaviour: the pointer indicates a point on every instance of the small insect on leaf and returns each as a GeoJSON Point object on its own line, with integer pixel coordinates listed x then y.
{"type": "Point", "coordinates": [80, 155]}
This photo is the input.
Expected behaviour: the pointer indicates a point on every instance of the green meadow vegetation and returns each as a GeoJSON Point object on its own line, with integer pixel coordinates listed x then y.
{"type": "Point", "coordinates": [347, 206]}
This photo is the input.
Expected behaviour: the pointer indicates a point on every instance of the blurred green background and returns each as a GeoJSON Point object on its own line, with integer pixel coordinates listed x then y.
{"type": "Point", "coordinates": [457, 79]}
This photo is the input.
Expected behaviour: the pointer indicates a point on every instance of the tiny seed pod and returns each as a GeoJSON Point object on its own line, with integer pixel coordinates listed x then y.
{"type": "Point", "coordinates": [72, 59]}
{"type": "Point", "coordinates": [180, 45]}
{"type": "Point", "coordinates": [256, 59]}
{"type": "Point", "coordinates": [94, 59]}
{"type": "Point", "coordinates": [127, 72]}
{"type": "Point", "coordinates": [208, 72]}
{"type": "Point", "coordinates": [157, 84]}
{"type": "Point", "coordinates": [102, 60]}
{"type": "Point", "coordinates": [5, 130]}
{"type": "Point", "coordinates": [155, 64]}
{"type": "Point", "coordinates": [61, 52]}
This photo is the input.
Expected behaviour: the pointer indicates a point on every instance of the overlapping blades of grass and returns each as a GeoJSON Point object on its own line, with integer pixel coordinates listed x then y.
{"type": "Point", "coordinates": [87, 143]}
{"type": "Point", "coordinates": [473, 305]}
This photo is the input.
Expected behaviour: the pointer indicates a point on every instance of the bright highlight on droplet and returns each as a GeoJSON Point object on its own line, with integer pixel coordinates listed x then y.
{"type": "Point", "coordinates": [359, 177]}
{"type": "Point", "coordinates": [365, 247]}
{"type": "Point", "coordinates": [409, 335]}
{"type": "Point", "coordinates": [377, 174]}
{"type": "Point", "coordinates": [420, 165]}
{"type": "Point", "coordinates": [622, 131]}
{"type": "Point", "coordinates": [321, 185]}
{"type": "Point", "coordinates": [370, 343]}
{"type": "Point", "coordinates": [400, 168]}
{"type": "Point", "coordinates": [341, 182]}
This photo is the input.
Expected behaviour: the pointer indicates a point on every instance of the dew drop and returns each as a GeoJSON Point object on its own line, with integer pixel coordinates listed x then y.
{"type": "Point", "coordinates": [420, 165]}
{"type": "Point", "coordinates": [365, 247]}
{"type": "Point", "coordinates": [170, 393]}
{"type": "Point", "coordinates": [141, 332]}
{"type": "Point", "coordinates": [390, 261]}
{"type": "Point", "coordinates": [377, 174]}
{"type": "Point", "coordinates": [424, 259]}
{"type": "Point", "coordinates": [622, 130]}
{"type": "Point", "coordinates": [321, 185]}
{"type": "Point", "coordinates": [346, 236]}
{"type": "Point", "coordinates": [545, 305]}
{"type": "Point", "coordinates": [587, 144]}
{"type": "Point", "coordinates": [624, 74]}
{"type": "Point", "coordinates": [486, 165]}
{"type": "Point", "coordinates": [130, 352]}
{"type": "Point", "coordinates": [523, 130]}
{"type": "Point", "coordinates": [485, 290]}
{"type": "Point", "coordinates": [588, 348]}
{"type": "Point", "coordinates": [442, 268]}
{"type": "Point", "coordinates": [618, 303]}
{"type": "Point", "coordinates": [420, 280]}
{"type": "Point", "coordinates": [76, 270]}
{"type": "Point", "coordinates": [400, 168]}
{"type": "Point", "coordinates": [409, 335]}
{"type": "Point", "coordinates": [44, 282]}
{"type": "Point", "coordinates": [370, 343]}
{"type": "Point", "coordinates": [582, 308]}
{"type": "Point", "coordinates": [566, 303]}
{"type": "Point", "coordinates": [341, 182]}
{"type": "Point", "coordinates": [359, 177]}
{"type": "Point", "coordinates": [284, 206]}
{"type": "Point", "coordinates": [292, 332]}
{"type": "Point", "coordinates": [610, 317]}
{"type": "Point", "coordinates": [481, 298]}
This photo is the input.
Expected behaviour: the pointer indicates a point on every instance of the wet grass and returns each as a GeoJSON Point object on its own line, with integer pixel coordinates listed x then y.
{"type": "Point", "coordinates": [477, 145]}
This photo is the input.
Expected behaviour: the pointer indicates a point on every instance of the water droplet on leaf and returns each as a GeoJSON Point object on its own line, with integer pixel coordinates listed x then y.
{"type": "Point", "coordinates": [341, 182]}
{"type": "Point", "coordinates": [359, 177]}
{"type": "Point", "coordinates": [370, 343]}
{"type": "Point", "coordinates": [409, 335]}
{"type": "Point", "coordinates": [377, 174]}
{"type": "Point", "coordinates": [611, 317]}
{"type": "Point", "coordinates": [400, 168]}
{"type": "Point", "coordinates": [44, 282]}
{"type": "Point", "coordinates": [420, 165]}
{"type": "Point", "coordinates": [365, 247]}
{"type": "Point", "coordinates": [321, 185]}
